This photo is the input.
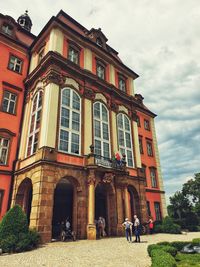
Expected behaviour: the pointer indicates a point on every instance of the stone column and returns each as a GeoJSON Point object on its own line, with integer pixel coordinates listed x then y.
{"type": "Point", "coordinates": [91, 227]}
{"type": "Point", "coordinates": [120, 216]}
{"type": "Point", "coordinates": [127, 204]}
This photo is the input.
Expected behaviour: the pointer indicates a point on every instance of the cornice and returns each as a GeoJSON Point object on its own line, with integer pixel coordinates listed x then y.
{"type": "Point", "coordinates": [52, 67]}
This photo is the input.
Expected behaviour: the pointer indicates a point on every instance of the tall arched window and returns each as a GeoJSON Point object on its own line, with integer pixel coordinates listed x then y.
{"type": "Point", "coordinates": [34, 129]}
{"type": "Point", "coordinates": [125, 138]}
{"type": "Point", "coordinates": [101, 130]}
{"type": "Point", "coordinates": [70, 122]}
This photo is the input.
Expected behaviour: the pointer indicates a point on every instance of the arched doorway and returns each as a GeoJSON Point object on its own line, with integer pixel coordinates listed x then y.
{"type": "Point", "coordinates": [134, 202]}
{"type": "Point", "coordinates": [63, 205]}
{"type": "Point", "coordinates": [24, 196]}
{"type": "Point", "coordinates": [105, 207]}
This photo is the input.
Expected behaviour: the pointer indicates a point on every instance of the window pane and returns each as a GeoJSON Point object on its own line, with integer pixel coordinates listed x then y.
{"type": "Point", "coordinates": [75, 144]}
{"type": "Point", "coordinates": [66, 97]}
{"type": "Point", "coordinates": [75, 121]}
{"type": "Point", "coordinates": [105, 131]}
{"type": "Point", "coordinates": [122, 151]}
{"type": "Point", "coordinates": [127, 126]}
{"type": "Point", "coordinates": [76, 101]}
{"type": "Point", "coordinates": [128, 140]}
{"type": "Point", "coordinates": [38, 119]}
{"type": "Point", "coordinates": [120, 121]}
{"type": "Point", "coordinates": [64, 140]}
{"type": "Point", "coordinates": [106, 152]}
{"type": "Point", "coordinates": [5, 142]}
{"type": "Point", "coordinates": [13, 97]}
{"type": "Point", "coordinates": [35, 143]}
{"type": "Point", "coordinates": [11, 107]}
{"type": "Point", "coordinates": [32, 123]}
{"type": "Point", "coordinates": [121, 138]}
{"type": "Point", "coordinates": [3, 156]}
{"type": "Point", "coordinates": [5, 105]}
{"type": "Point", "coordinates": [97, 129]}
{"type": "Point", "coordinates": [104, 114]}
{"type": "Point", "coordinates": [40, 100]}
{"type": "Point", "coordinates": [97, 110]}
{"type": "Point", "coordinates": [129, 158]}
{"type": "Point", "coordinates": [29, 145]}
{"type": "Point", "coordinates": [65, 117]}
{"type": "Point", "coordinates": [97, 147]}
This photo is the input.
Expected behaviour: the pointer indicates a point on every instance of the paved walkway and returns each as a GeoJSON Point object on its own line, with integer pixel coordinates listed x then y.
{"type": "Point", "coordinates": [108, 252]}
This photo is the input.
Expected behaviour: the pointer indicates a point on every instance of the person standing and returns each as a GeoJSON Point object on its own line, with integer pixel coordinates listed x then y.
{"type": "Point", "coordinates": [137, 228]}
{"type": "Point", "coordinates": [150, 222]}
{"type": "Point", "coordinates": [128, 229]}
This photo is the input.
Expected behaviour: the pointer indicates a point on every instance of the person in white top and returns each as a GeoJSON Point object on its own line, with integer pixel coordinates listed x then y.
{"type": "Point", "coordinates": [137, 228]}
{"type": "Point", "coordinates": [128, 229]}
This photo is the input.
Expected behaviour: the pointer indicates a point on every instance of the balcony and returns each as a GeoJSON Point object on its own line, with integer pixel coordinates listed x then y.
{"type": "Point", "coordinates": [110, 163]}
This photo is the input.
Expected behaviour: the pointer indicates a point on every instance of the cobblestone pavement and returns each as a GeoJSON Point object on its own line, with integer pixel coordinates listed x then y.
{"type": "Point", "coordinates": [105, 253]}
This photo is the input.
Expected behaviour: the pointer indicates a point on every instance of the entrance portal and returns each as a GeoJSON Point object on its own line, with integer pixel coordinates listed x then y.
{"type": "Point", "coordinates": [134, 202]}
{"type": "Point", "coordinates": [105, 207]}
{"type": "Point", "coordinates": [63, 206]}
{"type": "Point", "coordinates": [24, 196]}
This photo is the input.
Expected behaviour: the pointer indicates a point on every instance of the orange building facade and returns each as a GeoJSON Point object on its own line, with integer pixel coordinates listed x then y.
{"type": "Point", "coordinates": [88, 145]}
{"type": "Point", "coordinates": [14, 43]}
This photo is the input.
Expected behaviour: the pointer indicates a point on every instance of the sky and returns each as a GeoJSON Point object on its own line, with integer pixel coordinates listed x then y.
{"type": "Point", "coordinates": [160, 41]}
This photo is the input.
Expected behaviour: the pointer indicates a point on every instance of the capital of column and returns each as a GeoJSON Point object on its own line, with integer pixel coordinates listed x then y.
{"type": "Point", "coordinates": [91, 178]}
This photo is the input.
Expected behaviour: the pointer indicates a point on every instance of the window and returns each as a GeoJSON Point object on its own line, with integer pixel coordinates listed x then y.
{"type": "Point", "coordinates": [70, 124]}
{"type": "Point", "coordinates": [101, 130]}
{"type": "Point", "coordinates": [1, 198]}
{"type": "Point", "coordinates": [153, 177]}
{"type": "Point", "coordinates": [141, 145]}
{"type": "Point", "coordinates": [7, 29]}
{"type": "Point", "coordinates": [4, 146]}
{"type": "Point", "coordinates": [40, 55]}
{"type": "Point", "coordinates": [122, 84]}
{"type": "Point", "coordinates": [125, 138]}
{"type": "Point", "coordinates": [9, 102]}
{"type": "Point", "coordinates": [73, 55]}
{"type": "Point", "coordinates": [15, 64]}
{"type": "Point", "coordinates": [148, 208]}
{"type": "Point", "coordinates": [138, 121]}
{"type": "Point", "coordinates": [157, 211]}
{"type": "Point", "coordinates": [146, 125]}
{"type": "Point", "coordinates": [34, 129]}
{"type": "Point", "coordinates": [149, 149]}
{"type": "Point", "coordinates": [100, 71]}
{"type": "Point", "coordinates": [143, 172]}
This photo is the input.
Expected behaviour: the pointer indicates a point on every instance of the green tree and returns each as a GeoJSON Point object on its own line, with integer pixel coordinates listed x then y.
{"type": "Point", "coordinates": [180, 205]}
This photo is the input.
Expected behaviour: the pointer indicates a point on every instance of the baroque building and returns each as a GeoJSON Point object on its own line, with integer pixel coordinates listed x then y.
{"type": "Point", "coordinates": [88, 145]}
{"type": "Point", "coordinates": [14, 54]}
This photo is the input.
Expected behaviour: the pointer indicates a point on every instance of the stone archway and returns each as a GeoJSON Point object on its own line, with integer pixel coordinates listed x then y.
{"type": "Point", "coordinates": [105, 206]}
{"type": "Point", "coordinates": [134, 202]}
{"type": "Point", "coordinates": [24, 196]}
{"type": "Point", "coordinates": [65, 205]}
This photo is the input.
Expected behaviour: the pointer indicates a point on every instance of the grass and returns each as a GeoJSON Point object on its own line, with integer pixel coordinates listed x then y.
{"type": "Point", "coordinates": [186, 260]}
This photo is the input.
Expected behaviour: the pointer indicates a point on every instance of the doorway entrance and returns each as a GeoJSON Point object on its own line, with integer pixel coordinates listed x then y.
{"type": "Point", "coordinates": [63, 206]}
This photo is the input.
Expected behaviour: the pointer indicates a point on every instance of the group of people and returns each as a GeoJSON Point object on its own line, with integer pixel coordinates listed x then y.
{"type": "Point", "coordinates": [136, 227]}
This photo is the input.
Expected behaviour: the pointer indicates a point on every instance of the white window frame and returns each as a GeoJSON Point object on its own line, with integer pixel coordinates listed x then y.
{"type": "Point", "coordinates": [124, 133]}
{"type": "Point", "coordinates": [69, 129]}
{"type": "Point", "coordinates": [101, 71]}
{"type": "Point", "coordinates": [73, 55]}
{"type": "Point", "coordinates": [154, 182]}
{"type": "Point", "coordinates": [16, 62]}
{"type": "Point", "coordinates": [157, 208]}
{"type": "Point", "coordinates": [122, 84]}
{"type": "Point", "coordinates": [5, 148]}
{"type": "Point", "coordinates": [35, 131]}
{"type": "Point", "coordinates": [149, 149]}
{"type": "Point", "coordinates": [9, 101]}
{"type": "Point", "coordinates": [101, 139]}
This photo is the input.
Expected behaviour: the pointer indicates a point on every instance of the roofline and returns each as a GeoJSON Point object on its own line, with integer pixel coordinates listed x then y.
{"type": "Point", "coordinates": [55, 19]}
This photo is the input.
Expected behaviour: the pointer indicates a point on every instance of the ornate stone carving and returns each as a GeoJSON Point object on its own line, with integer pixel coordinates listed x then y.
{"type": "Point", "coordinates": [108, 178]}
{"type": "Point", "coordinates": [88, 93]}
{"type": "Point", "coordinates": [114, 107]}
{"type": "Point", "coordinates": [91, 178]}
{"type": "Point", "coordinates": [133, 115]}
{"type": "Point", "coordinates": [53, 76]}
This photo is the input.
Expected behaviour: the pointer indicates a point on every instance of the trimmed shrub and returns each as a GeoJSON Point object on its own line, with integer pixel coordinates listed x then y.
{"type": "Point", "coordinates": [179, 245]}
{"type": "Point", "coordinates": [165, 243]}
{"type": "Point", "coordinates": [196, 242]}
{"type": "Point", "coordinates": [161, 258]}
{"type": "Point", "coordinates": [150, 248]}
{"type": "Point", "coordinates": [13, 223]}
{"type": "Point", "coordinates": [14, 233]}
{"type": "Point", "coordinates": [169, 249]}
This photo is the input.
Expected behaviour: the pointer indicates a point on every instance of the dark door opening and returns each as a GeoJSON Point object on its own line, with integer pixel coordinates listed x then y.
{"type": "Point", "coordinates": [63, 206]}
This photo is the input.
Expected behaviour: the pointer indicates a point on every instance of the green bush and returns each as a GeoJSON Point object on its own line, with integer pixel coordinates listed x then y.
{"type": "Point", "coordinates": [168, 226]}
{"type": "Point", "coordinates": [14, 233]}
{"type": "Point", "coordinates": [150, 248]}
{"type": "Point", "coordinates": [196, 242]}
{"type": "Point", "coordinates": [167, 248]}
{"type": "Point", "coordinates": [164, 243]}
{"type": "Point", "coordinates": [158, 228]}
{"type": "Point", "coordinates": [186, 260]}
{"type": "Point", "coordinates": [179, 245]}
{"type": "Point", "coordinates": [13, 223]}
{"type": "Point", "coordinates": [161, 258]}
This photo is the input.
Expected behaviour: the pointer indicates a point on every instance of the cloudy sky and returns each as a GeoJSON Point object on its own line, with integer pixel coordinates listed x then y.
{"type": "Point", "coordinates": [159, 40]}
